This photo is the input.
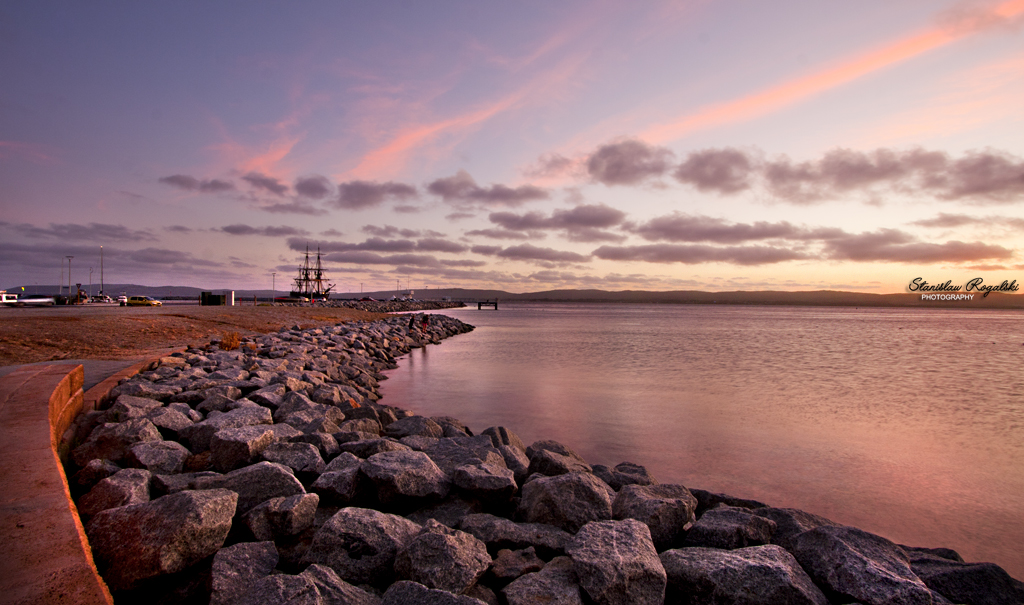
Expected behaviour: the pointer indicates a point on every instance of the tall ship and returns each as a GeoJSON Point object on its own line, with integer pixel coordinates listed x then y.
{"type": "Point", "coordinates": [311, 282]}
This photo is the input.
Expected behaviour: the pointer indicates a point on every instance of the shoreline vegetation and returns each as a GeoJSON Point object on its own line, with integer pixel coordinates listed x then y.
{"type": "Point", "coordinates": [271, 468]}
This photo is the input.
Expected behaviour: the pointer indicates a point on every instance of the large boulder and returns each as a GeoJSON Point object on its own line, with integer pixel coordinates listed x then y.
{"type": "Point", "coordinates": [127, 407]}
{"type": "Point", "coordinates": [236, 568]}
{"type": "Point", "coordinates": [282, 517]}
{"type": "Point", "coordinates": [360, 544]}
{"type": "Point", "coordinates": [849, 563]}
{"type": "Point", "coordinates": [364, 448]}
{"type": "Point", "coordinates": [556, 584]}
{"type": "Point", "coordinates": [666, 509]}
{"type": "Point", "coordinates": [111, 441]}
{"type": "Point", "coordinates": [567, 501]}
{"type": "Point", "coordinates": [414, 593]}
{"type": "Point", "coordinates": [960, 582]}
{"type": "Point", "coordinates": [163, 457]}
{"type": "Point", "coordinates": [729, 527]}
{"type": "Point", "coordinates": [502, 436]}
{"type": "Point", "coordinates": [511, 564]}
{"type": "Point", "coordinates": [747, 576]}
{"type": "Point", "coordinates": [303, 458]}
{"type": "Point", "coordinates": [625, 473]}
{"type": "Point", "coordinates": [616, 563]}
{"type": "Point", "coordinates": [485, 481]}
{"type": "Point", "coordinates": [170, 421]}
{"type": "Point", "coordinates": [125, 487]}
{"type": "Point", "coordinates": [200, 434]}
{"type": "Point", "coordinates": [405, 478]}
{"type": "Point", "coordinates": [790, 523]}
{"type": "Point", "coordinates": [499, 533]}
{"type": "Point", "coordinates": [163, 536]}
{"type": "Point", "coordinates": [413, 425]}
{"type": "Point", "coordinates": [232, 448]}
{"type": "Point", "coordinates": [443, 558]}
{"type": "Point", "coordinates": [341, 483]}
{"type": "Point", "coordinates": [255, 484]}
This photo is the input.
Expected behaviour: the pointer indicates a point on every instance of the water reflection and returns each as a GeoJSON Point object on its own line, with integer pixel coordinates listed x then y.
{"type": "Point", "coordinates": [903, 422]}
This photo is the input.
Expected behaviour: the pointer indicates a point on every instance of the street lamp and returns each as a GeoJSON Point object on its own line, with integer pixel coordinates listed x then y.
{"type": "Point", "coordinates": [273, 286]}
{"type": "Point", "coordinates": [69, 276]}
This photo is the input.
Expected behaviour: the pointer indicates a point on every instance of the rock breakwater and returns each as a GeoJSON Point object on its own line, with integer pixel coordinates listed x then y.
{"type": "Point", "coordinates": [273, 473]}
{"type": "Point", "coordinates": [384, 306]}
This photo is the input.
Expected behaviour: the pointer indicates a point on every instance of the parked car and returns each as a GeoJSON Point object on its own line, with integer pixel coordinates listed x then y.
{"type": "Point", "coordinates": [143, 301]}
{"type": "Point", "coordinates": [101, 298]}
{"type": "Point", "coordinates": [37, 300]}
{"type": "Point", "coordinates": [122, 300]}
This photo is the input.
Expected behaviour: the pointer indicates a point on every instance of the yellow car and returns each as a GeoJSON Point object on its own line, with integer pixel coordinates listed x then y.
{"type": "Point", "coordinates": [143, 301]}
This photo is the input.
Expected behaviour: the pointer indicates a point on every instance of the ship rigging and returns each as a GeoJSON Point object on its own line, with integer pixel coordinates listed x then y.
{"type": "Point", "coordinates": [311, 282]}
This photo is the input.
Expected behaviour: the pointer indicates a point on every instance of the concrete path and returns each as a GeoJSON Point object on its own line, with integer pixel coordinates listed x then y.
{"type": "Point", "coordinates": [96, 370]}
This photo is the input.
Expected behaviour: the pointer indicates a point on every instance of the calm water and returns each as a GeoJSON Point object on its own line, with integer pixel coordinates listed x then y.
{"type": "Point", "coordinates": [906, 423]}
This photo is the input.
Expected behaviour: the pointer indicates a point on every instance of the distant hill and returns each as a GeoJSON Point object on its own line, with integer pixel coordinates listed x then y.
{"type": "Point", "coordinates": [996, 300]}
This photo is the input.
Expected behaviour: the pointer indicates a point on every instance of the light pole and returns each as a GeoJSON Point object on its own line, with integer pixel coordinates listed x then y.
{"type": "Point", "coordinates": [101, 271]}
{"type": "Point", "coordinates": [273, 286]}
{"type": "Point", "coordinates": [69, 276]}
{"type": "Point", "coordinates": [90, 282]}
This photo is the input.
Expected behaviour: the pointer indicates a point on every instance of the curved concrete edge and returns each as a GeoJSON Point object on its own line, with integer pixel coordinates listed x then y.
{"type": "Point", "coordinates": [47, 558]}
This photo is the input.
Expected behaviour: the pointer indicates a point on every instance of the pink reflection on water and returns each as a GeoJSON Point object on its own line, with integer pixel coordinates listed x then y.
{"type": "Point", "coordinates": [904, 423]}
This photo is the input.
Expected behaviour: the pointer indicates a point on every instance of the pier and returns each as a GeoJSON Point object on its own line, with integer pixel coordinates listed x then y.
{"type": "Point", "coordinates": [480, 304]}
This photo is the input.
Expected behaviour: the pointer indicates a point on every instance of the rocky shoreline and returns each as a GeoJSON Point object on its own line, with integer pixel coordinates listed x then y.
{"type": "Point", "coordinates": [269, 472]}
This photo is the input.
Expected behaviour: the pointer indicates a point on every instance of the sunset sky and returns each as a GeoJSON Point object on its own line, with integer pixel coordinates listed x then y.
{"type": "Point", "coordinates": [709, 145]}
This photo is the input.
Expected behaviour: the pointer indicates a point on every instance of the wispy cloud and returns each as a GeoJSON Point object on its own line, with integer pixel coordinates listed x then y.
{"type": "Point", "coordinates": [954, 26]}
{"type": "Point", "coordinates": [357, 195]}
{"type": "Point", "coordinates": [272, 231]}
{"type": "Point", "coordinates": [93, 232]}
{"type": "Point", "coordinates": [190, 183]}
{"type": "Point", "coordinates": [462, 188]}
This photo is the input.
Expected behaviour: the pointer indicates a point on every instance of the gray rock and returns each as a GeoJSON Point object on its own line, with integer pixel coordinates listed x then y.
{"type": "Point", "coordinates": [728, 527]}
{"type": "Point", "coordinates": [745, 576]}
{"type": "Point", "coordinates": [164, 457]}
{"type": "Point", "coordinates": [236, 568]}
{"type": "Point", "coordinates": [139, 387]}
{"type": "Point", "coordinates": [667, 510]}
{"type": "Point", "coordinates": [852, 564]}
{"type": "Point", "coordinates": [567, 501]}
{"type": "Point", "coordinates": [128, 486]}
{"type": "Point", "coordinates": [232, 448]}
{"type": "Point", "coordinates": [344, 487]}
{"type": "Point", "coordinates": [282, 517]}
{"type": "Point", "coordinates": [255, 484]}
{"type": "Point", "coordinates": [286, 432]}
{"type": "Point", "coordinates": [547, 462]}
{"type": "Point", "coordinates": [417, 442]}
{"type": "Point", "coordinates": [171, 421]}
{"type": "Point", "coordinates": [215, 402]}
{"type": "Point", "coordinates": [127, 407]}
{"type": "Point", "coordinates": [365, 448]}
{"type": "Point", "coordinates": [510, 564]}
{"type": "Point", "coordinates": [449, 454]}
{"type": "Point", "coordinates": [94, 471]}
{"type": "Point", "coordinates": [111, 441]}
{"type": "Point", "coordinates": [516, 461]}
{"type": "Point", "coordinates": [200, 434]}
{"type": "Point", "coordinates": [296, 403]}
{"type": "Point", "coordinates": [450, 511]}
{"type": "Point", "coordinates": [271, 396]}
{"type": "Point", "coordinates": [361, 425]}
{"type": "Point", "coordinates": [162, 485]}
{"type": "Point", "coordinates": [552, 446]}
{"type": "Point", "coordinates": [280, 589]}
{"type": "Point", "coordinates": [303, 458]}
{"type": "Point", "coordinates": [343, 461]}
{"type": "Point", "coordinates": [412, 593]}
{"type": "Point", "coordinates": [325, 443]}
{"type": "Point", "coordinates": [485, 481]}
{"type": "Point", "coordinates": [555, 585]}
{"type": "Point", "coordinates": [442, 558]}
{"type": "Point", "coordinates": [335, 591]}
{"type": "Point", "coordinates": [185, 410]}
{"type": "Point", "coordinates": [360, 544]}
{"type": "Point", "coordinates": [405, 478]}
{"type": "Point", "coordinates": [960, 582]}
{"type": "Point", "coordinates": [790, 523]}
{"type": "Point", "coordinates": [625, 473]}
{"type": "Point", "coordinates": [413, 425]}
{"type": "Point", "coordinates": [163, 536]}
{"type": "Point", "coordinates": [499, 533]}
{"type": "Point", "coordinates": [229, 374]}
{"type": "Point", "coordinates": [616, 563]}
{"type": "Point", "coordinates": [451, 426]}
{"type": "Point", "coordinates": [483, 593]}
{"type": "Point", "coordinates": [706, 500]}
{"type": "Point", "coordinates": [502, 436]}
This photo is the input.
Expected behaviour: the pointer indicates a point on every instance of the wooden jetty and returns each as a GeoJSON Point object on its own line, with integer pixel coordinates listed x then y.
{"type": "Point", "coordinates": [480, 304]}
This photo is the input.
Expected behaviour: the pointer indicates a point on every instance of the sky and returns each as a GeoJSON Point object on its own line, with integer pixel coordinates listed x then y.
{"type": "Point", "coordinates": [529, 146]}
